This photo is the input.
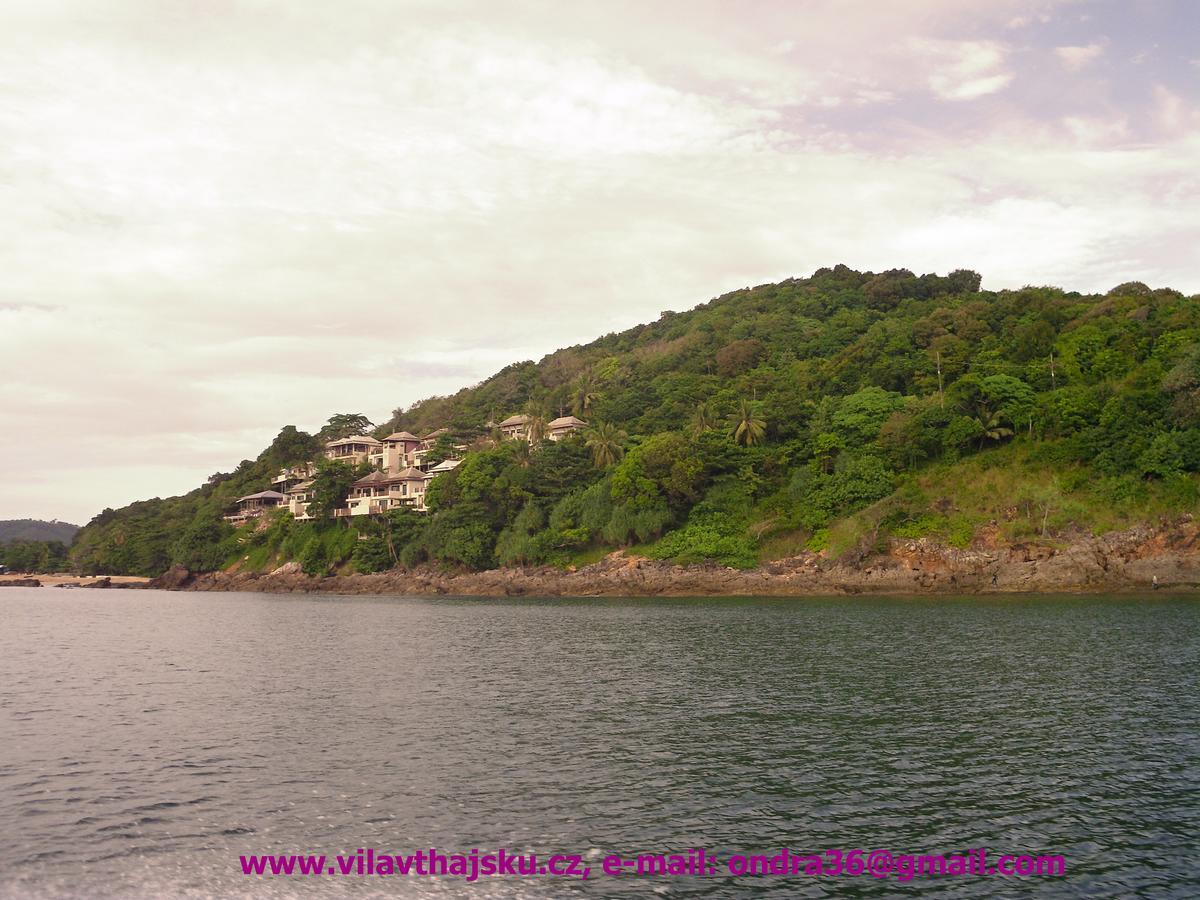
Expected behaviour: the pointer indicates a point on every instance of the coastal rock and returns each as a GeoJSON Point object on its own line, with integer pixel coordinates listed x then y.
{"type": "Point", "coordinates": [1118, 561]}
{"type": "Point", "coordinates": [21, 582]}
{"type": "Point", "coordinates": [174, 579]}
{"type": "Point", "coordinates": [98, 583]}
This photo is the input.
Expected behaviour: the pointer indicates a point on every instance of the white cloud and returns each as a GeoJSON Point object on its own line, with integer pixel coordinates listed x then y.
{"type": "Point", "coordinates": [226, 224]}
{"type": "Point", "coordinates": [964, 70]}
{"type": "Point", "coordinates": [1093, 130]}
{"type": "Point", "coordinates": [1077, 58]}
{"type": "Point", "coordinates": [1171, 113]}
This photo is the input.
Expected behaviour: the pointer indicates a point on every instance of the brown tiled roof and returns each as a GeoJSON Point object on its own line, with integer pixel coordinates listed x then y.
{"type": "Point", "coordinates": [356, 439]}
{"type": "Point", "coordinates": [402, 436]}
{"type": "Point", "coordinates": [376, 477]}
{"type": "Point", "coordinates": [263, 495]}
{"type": "Point", "coordinates": [567, 421]}
{"type": "Point", "coordinates": [514, 420]}
{"type": "Point", "coordinates": [410, 474]}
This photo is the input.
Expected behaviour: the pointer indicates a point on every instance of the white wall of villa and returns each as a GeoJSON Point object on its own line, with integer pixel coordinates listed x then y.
{"type": "Point", "coordinates": [401, 471]}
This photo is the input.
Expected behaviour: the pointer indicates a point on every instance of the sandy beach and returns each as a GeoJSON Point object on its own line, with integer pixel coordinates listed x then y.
{"type": "Point", "coordinates": [65, 578]}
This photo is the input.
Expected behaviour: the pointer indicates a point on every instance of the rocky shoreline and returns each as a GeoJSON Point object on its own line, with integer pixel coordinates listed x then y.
{"type": "Point", "coordinates": [1124, 561]}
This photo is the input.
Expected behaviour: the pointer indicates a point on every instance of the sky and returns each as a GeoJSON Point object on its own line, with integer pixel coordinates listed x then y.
{"type": "Point", "coordinates": [220, 217]}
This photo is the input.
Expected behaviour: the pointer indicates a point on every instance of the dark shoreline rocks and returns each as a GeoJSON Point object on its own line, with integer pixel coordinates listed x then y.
{"type": "Point", "coordinates": [1123, 561]}
{"type": "Point", "coordinates": [20, 582]}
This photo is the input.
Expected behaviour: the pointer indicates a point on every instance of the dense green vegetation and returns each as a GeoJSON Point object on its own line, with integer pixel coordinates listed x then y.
{"type": "Point", "coordinates": [34, 556]}
{"type": "Point", "coordinates": [825, 413]}
{"type": "Point", "coordinates": [36, 530]}
{"type": "Point", "coordinates": [34, 545]}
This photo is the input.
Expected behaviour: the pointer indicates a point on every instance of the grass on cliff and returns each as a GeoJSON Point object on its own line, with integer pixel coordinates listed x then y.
{"type": "Point", "coordinates": [1011, 494]}
{"type": "Point", "coordinates": [1007, 495]}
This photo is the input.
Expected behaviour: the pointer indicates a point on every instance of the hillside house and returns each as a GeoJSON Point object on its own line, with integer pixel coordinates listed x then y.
{"type": "Point", "coordinates": [290, 476]}
{"type": "Point", "coordinates": [444, 466]}
{"type": "Point", "coordinates": [376, 493]}
{"type": "Point", "coordinates": [254, 505]}
{"type": "Point", "coordinates": [298, 496]}
{"type": "Point", "coordinates": [515, 428]}
{"type": "Point", "coordinates": [563, 426]}
{"type": "Point", "coordinates": [395, 452]}
{"type": "Point", "coordinates": [353, 450]}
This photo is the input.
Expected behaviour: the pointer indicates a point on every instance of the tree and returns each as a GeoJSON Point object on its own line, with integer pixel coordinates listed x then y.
{"type": "Point", "coordinates": [997, 401]}
{"type": "Point", "coordinates": [1044, 499]}
{"type": "Point", "coordinates": [739, 356]}
{"type": "Point", "coordinates": [860, 415]}
{"type": "Point", "coordinates": [443, 448]}
{"type": "Point", "coordinates": [539, 418]}
{"type": "Point", "coordinates": [290, 446]}
{"type": "Point", "coordinates": [747, 424]}
{"type": "Point", "coordinates": [584, 393]}
{"type": "Point", "coordinates": [331, 486]}
{"type": "Point", "coordinates": [607, 443]}
{"type": "Point", "coordinates": [993, 429]}
{"type": "Point", "coordinates": [705, 417]}
{"type": "Point", "coordinates": [825, 448]}
{"type": "Point", "coordinates": [344, 425]}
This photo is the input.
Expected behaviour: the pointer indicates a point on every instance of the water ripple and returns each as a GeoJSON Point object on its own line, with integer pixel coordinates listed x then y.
{"type": "Point", "coordinates": [149, 739]}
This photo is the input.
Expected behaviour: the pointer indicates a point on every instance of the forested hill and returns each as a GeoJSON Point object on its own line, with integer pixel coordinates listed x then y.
{"type": "Point", "coordinates": [36, 530]}
{"type": "Point", "coordinates": [824, 413]}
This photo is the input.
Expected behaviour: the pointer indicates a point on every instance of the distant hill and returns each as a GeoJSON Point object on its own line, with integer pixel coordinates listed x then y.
{"type": "Point", "coordinates": [829, 414]}
{"type": "Point", "coordinates": [36, 530]}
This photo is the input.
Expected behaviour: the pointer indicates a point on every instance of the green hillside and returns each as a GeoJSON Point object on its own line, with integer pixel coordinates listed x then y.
{"type": "Point", "coordinates": [823, 413]}
{"type": "Point", "coordinates": [34, 545]}
{"type": "Point", "coordinates": [36, 530]}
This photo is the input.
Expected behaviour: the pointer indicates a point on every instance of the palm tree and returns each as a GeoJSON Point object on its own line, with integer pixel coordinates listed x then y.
{"type": "Point", "coordinates": [993, 427]}
{"type": "Point", "coordinates": [705, 417]}
{"type": "Point", "coordinates": [539, 417]}
{"type": "Point", "coordinates": [747, 425]}
{"type": "Point", "coordinates": [521, 454]}
{"type": "Point", "coordinates": [607, 443]}
{"type": "Point", "coordinates": [584, 393]}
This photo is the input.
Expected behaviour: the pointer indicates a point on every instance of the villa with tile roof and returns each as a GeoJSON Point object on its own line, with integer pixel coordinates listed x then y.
{"type": "Point", "coordinates": [559, 428]}
{"type": "Point", "coordinates": [254, 505]}
{"type": "Point", "coordinates": [401, 471]}
{"type": "Point", "coordinates": [298, 496]}
{"type": "Point", "coordinates": [395, 452]}
{"type": "Point", "coordinates": [379, 491]}
{"type": "Point", "coordinates": [351, 449]}
{"type": "Point", "coordinates": [515, 428]}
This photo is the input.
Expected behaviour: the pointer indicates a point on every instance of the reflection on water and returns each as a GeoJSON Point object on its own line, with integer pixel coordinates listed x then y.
{"type": "Point", "coordinates": [147, 739]}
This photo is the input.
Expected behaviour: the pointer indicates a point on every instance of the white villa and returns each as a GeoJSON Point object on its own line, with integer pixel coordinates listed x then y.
{"type": "Point", "coordinates": [378, 492]}
{"type": "Point", "coordinates": [395, 452]}
{"type": "Point", "coordinates": [559, 428]}
{"type": "Point", "coordinates": [298, 496]}
{"type": "Point", "coordinates": [515, 428]}
{"type": "Point", "coordinates": [290, 476]}
{"type": "Point", "coordinates": [401, 473]}
{"type": "Point", "coordinates": [254, 505]}
{"type": "Point", "coordinates": [352, 449]}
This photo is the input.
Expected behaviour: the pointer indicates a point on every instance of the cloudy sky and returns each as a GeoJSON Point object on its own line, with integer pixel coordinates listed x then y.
{"type": "Point", "coordinates": [223, 216]}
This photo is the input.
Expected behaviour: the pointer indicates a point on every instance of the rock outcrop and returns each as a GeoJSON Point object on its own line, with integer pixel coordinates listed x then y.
{"type": "Point", "coordinates": [1119, 561]}
{"type": "Point", "coordinates": [176, 578]}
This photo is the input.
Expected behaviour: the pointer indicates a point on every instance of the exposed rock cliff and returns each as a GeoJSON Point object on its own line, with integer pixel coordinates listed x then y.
{"type": "Point", "coordinates": [1125, 560]}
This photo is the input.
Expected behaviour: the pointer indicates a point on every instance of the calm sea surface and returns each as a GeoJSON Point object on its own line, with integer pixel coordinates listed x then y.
{"type": "Point", "coordinates": [148, 739]}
